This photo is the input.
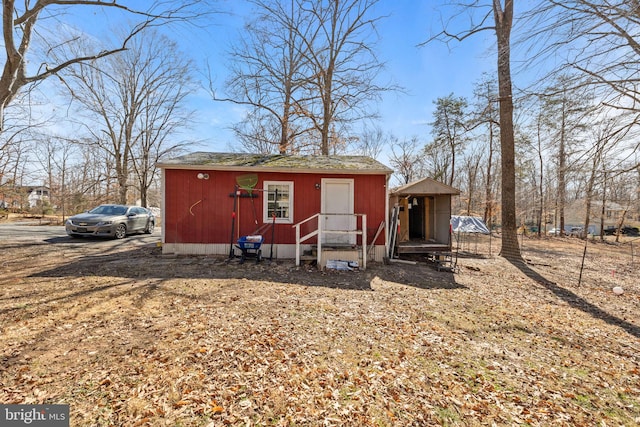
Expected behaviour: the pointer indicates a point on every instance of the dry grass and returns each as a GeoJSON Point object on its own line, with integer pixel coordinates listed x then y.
{"type": "Point", "coordinates": [127, 336]}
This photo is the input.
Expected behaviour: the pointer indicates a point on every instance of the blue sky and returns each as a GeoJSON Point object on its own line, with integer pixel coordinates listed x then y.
{"type": "Point", "coordinates": [425, 73]}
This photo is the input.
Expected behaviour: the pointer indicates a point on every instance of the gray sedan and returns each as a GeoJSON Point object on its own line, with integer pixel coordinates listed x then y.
{"type": "Point", "coordinates": [111, 221]}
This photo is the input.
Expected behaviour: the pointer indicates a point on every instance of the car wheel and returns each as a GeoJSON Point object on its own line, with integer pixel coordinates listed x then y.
{"type": "Point", "coordinates": [121, 231]}
{"type": "Point", "coordinates": [150, 227]}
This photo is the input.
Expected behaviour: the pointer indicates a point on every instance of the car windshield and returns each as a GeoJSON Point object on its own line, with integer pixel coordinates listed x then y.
{"type": "Point", "coordinates": [109, 210]}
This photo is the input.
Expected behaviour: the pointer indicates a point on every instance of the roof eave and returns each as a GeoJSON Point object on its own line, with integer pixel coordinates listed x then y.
{"type": "Point", "coordinates": [213, 167]}
{"type": "Point", "coordinates": [413, 188]}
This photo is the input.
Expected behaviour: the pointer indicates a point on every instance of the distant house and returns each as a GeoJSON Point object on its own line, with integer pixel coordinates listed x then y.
{"type": "Point", "coordinates": [296, 203]}
{"type": "Point", "coordinates": [22, 197]}
{"type": "Point", "coordinates": [613, 212]}
{"type": "Point", "coordinates": [424, 212]}
{"type": "Point", "coordinates": [36, 195]}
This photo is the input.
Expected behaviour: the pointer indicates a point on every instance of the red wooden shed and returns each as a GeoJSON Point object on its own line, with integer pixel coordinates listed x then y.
{"type": "Point", "coordinates": [301, 205]}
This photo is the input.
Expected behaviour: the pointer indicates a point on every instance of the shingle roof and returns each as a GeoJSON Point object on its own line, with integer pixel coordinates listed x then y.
{"type": "Point", "coordinates": [276, 162]}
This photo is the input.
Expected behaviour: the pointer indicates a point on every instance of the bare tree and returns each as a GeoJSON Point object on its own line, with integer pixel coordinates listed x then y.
{"type": "Point", "coordinates": [55, 156]}
{"type": "Point", "coordinates": [471, 168]}
{"type": "Point", "coordinates": [344, 67]}
{"type": "Point", "coordinates": [372, 141]}
{"type": "Point", "coordinates": [45, 153]}
{"type": "Point", "coordinates": [20, 23]}
{"type": "Point", "coordinates": [256, 133]}
{"type": "Point", "coordinates": [405, 159]}
{"type": "Point", "coordinates": [500, 12]}
{"type": "Point", "coordinates": [14, 156]}
{"type": "Point", "coordinates": [267, 73]}
{"type": "Point", "coordinates": [567, 110]}
{"type": "Point", "coordinates": [537, 146]}
{"type": "Point", "coordinates": [13, 145]}
{"type": "Point", "coordinates": [164, 73]}
{"type": "Point", "coordinates": [136, 97]}
{"type": "Point", "coordinates": [485, 116]}
{"type": "Point", "coordinates": [307, 71]}
{"type": "Point", "coordinates": [598, 39]}
{"type": "Point", "coordinates": [605, 136]}
{"type": "Point", "coordinates": [436, 159]}
{"type": "Point", "coordinates": [527, 182]}
{"type": "Point", "coordinates": [88, 178]}
{"type": "Point", "coordinates": [503, 17]}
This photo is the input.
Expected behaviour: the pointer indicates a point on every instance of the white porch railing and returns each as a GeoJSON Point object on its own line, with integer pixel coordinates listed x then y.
{"type": "Point", "coordinates": [320, 232]}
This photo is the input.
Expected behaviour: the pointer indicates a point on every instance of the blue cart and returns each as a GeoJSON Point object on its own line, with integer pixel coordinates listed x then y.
{"type": "Point", "coordinates": [250, 247]}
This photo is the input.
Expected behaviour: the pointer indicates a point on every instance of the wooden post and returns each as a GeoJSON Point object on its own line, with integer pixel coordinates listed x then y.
{"type": "Point", "coordinates": [584, 254]}
{"type": "Point", "coordinates": [233, 219]}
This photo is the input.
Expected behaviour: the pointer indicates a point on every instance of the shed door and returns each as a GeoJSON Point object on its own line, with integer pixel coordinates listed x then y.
{"type": "Point", "coordinates": [416, 218]}
{"type": "Point", "coordinates": [337, 198]}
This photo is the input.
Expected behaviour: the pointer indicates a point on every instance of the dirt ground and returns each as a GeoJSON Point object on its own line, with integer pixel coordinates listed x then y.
{"type": "Point", "coordinates": [130, 337]}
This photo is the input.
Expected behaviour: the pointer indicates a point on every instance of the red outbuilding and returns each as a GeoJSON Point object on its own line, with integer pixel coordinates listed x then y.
{"type": "Point", "coordinates": [325, 207]}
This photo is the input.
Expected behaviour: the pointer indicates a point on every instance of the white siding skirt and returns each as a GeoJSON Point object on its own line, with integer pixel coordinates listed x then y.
{"type": "Point", "coordinates": [280, 251]}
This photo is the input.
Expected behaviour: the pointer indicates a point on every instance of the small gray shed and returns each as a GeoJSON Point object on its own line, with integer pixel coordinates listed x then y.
{"type": "Point", "coordinates": [424, 215]}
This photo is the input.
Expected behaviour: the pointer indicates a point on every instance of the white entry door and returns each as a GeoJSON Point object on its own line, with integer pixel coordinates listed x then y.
{"type": "Point", "coordinates": [337, 198]}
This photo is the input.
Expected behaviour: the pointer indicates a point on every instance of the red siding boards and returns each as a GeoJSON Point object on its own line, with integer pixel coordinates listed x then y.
{"type": "Point", "coordinates": [200, 210]}
{"type": "Point", "coordinates": [370, 198]}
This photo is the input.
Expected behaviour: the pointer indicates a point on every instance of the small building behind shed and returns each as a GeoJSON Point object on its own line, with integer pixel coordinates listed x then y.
{"type": "Point", "coordinates": [423, 209]}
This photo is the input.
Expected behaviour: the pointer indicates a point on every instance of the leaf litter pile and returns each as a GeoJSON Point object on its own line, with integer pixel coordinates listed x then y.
{"type": "Point", "coordinates": [129, 337]}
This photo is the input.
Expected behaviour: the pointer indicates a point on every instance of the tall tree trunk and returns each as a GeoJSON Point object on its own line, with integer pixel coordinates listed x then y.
{"type": "Point", "coordinates": [324, 144]}
{"type": "Point", "coordinates": [588, 201]}
{"type": "Point", "coordinates": [597, 159]}
{"type": "Point", "coordinates": [562, 165]}
{"type": "Point", "coordinates": [327, 112]}
{"type": "Point", "coordinates": [488, 195]}
{"type": "Point", "coordinates": [620, 224]}
{"type": "Point", "coordinates": [284, 134]}
{"type": "Point", "coordinates": [504, 19]}
{"type": "Point", "coordinates": [285, 125]}
{"type": "Point", "coordinates": [604, 200]}
{"type": "Point", "coordinates": [122, 176]}
{"type": "Point", "coordinates": [452, 146]}
{"type": "Point", "coordinates": [122, 187]}
{"type": "Point", "coordinates": [541, 187]}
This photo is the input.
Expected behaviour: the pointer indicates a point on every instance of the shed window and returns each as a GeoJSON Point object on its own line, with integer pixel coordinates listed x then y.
{"type": "Point", "coordinates": [278, 201]}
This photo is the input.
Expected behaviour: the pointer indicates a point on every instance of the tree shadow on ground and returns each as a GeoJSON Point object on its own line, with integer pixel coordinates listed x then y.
{"type": "Point", "coordinates": [147, 262]}
{"type": "Point", "coordinates": [101, 241]}
{"type": "Point", "coordinates": [421, 276]}
{"type": "Point", "coordinates": [44, 298]}
{"type": "Point", "coordinates": [576, 301]}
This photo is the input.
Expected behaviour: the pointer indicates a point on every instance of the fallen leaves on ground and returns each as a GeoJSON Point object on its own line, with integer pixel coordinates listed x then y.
{"type": "Point", "coordinates": [132, 337]}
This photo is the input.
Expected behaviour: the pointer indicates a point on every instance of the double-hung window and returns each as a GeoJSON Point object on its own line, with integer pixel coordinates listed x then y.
{"type": "Point", "coordinates": [278, 201]}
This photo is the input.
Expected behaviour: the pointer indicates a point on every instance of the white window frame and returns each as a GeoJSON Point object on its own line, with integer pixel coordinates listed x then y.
{"type": "Point", "coordinates": [265, 202]}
